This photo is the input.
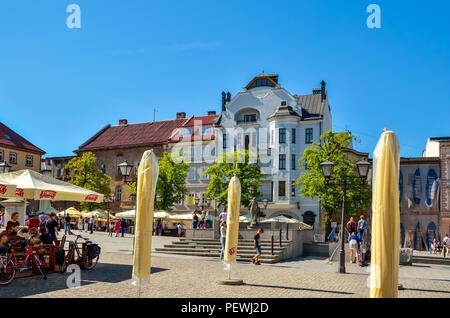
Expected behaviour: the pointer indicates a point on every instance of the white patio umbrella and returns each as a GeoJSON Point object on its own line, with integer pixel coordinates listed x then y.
{"type": "Point", "coordinates": [181, 217]}
{"type": "Point", "coordinates": [7, 190]}
{"type": "Point", "coordinates": [245, 218]}
{"type": "Point", "coordinates": [33, 185]}
{"type": "Point", "coordinates": [281, 219]}
{"type": "Point", "coordinates": [131, 215]}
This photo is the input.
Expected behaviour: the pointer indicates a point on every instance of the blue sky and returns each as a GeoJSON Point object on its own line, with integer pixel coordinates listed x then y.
{"type": "Point", "coordinates": [59, 86]}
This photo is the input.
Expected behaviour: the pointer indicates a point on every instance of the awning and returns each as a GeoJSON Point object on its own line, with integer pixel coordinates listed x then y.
{"type": "Point", "coordinates": [33, 185]}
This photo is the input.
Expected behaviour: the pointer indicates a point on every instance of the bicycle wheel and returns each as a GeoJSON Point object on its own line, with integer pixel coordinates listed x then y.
{"type": "Point", "coordinates": [89, 262]}
{"type": "Point", "coordinates": [67, 261]}
{"type": "Point", "coordinates": [39, 265]}
{"type": "Point", "coordinates": [7, 273]}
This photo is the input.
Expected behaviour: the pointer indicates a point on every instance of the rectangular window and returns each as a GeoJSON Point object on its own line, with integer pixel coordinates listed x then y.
{"type": "Point", "coordinates": [282, 162]}
{"type": "Point", "coordinates": [1, 155]}
{"type": "Point", "coordinates": [293, 189]}
{"type": "Point", "coordinates": [294, 138]}
{"type": "Point", "coordinates": [308, 136]}
{"type": "Point", "coordinates": [191, 175]}
{"type": "Point", "coordinates": [13, 157]}
{"type": "Point", "coordinates": [29, 161]}
{"type": "Point", "coordinates": [281, 188]}
{"type": "Point", "coordinates": [251, 118]}
{"type": "Point", "coordinates": [282, 135]}
{"type": "Point", "coordinates": [293, 162]}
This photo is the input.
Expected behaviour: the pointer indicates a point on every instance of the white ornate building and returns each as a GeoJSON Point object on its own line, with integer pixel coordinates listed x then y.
{"type": "Point", "coordinates": [267, 119]}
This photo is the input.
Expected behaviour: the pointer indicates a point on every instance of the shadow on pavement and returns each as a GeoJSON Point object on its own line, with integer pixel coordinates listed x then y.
{"type": "Point", "coordinates": [304, 289]}
{"type": "Point", "coordinates": [103, 273]}
{"type": "Point", "coordinates": [428, 290]}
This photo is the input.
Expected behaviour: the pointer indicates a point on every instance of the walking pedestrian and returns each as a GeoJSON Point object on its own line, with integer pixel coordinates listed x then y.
{"type": "Point", "coordinates": [52, 226]}
{"type": "Point", "coordinates": [209, 220]}
{"type": "Point", "coordinates": [67, 229]}
{"type": "Point", "coordinates": [257, 246]}
{"type": "Point", "coordinates": [223, 236]}
{"type": "Point", "coordinates": [354, 247]}
{"type": "Point", "coordinates": [117, 227]}
{"type": "Point", "coordinates": [91, 224]}
{"type": "Point", "coordinates": [351, 225]}
{"type": "Point", "coordinates": [42, 218]}
{"type": "Point", "coordinates": [446, 248]}
{"type": "Point", "coordinates": [123, 226]}
{"type": "Point", "coordinates": [194, 220]}
{"type": "Point", "coordinates": [362, 226]}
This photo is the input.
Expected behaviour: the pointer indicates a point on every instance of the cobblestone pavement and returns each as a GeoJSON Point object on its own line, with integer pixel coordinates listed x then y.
{"type": "Point", "coordinates": [176, 276]}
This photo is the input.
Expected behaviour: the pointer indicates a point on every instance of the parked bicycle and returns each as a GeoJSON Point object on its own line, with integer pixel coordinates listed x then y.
{"type": "Point", "coordinates": [86, 257]}
{"type": "Point", "coordinates": [11, 263]}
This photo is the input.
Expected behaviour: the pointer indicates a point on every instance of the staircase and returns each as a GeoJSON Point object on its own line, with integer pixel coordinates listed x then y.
{"type": "Point", "coordinates": [211, 248]}
{"type": "Point", "coordinates": [435, 260]}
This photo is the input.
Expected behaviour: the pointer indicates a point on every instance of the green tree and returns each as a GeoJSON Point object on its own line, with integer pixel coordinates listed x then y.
{"type": "Point", "coordinates": [171, 186]}
{"type": "Point", "coordinates": [312, 182]}
{"type": "Point", "coordinates": [221, 173]}
{"type": "Point", "coordinates": [85, 173]}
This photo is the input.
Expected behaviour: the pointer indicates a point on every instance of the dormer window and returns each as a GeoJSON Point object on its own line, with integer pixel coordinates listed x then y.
{"type": "Point", "coordinates": [263, 80]}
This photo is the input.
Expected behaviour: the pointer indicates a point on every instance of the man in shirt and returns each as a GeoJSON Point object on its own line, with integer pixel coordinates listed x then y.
{"type": "Point", "coordinates": [33, 222]}
{"type": "Point", "coordinates": [446, 248]}
{"type": "Point", "coordinates": [67, 226]}
{"type": "Point", "coordinates": [42, 218]}
{"type": "Point", "coordinates": [52, 226]}
{"type": "Point", "coordinates": [362, 226]}
{"type": "Point", "coordinates": [257, 246]}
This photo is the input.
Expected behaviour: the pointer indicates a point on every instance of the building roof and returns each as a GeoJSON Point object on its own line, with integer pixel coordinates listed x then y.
{"type": "Point", "coordinates": [312, 106]}
{"type": "Point", "coordinates": [285, 111]}
{"type": "Point", "coordinates": [205, 120]}
{"type": "Point", "coordinates": [133, 135]}
{"type": "Point", "coordinates": [440, 138]}
{"type": "Point", "coordinates": [10, 138]}
{"type": "Point", "coordinates": [420, 160]}
{"type": "Point", "coordinates": [141, 135]}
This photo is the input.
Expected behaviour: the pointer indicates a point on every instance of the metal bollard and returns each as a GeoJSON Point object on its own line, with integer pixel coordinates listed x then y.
{"type": "Point", "coordinates": [287, 231]}
{"type": "Point", "coordinates": [281, 237]}
{"type": "Point", "coordinates": [273, 242]}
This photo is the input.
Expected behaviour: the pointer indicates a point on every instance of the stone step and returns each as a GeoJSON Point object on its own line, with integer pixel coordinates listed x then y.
{"type": "Point", "coordinates": [270, 259]}
{"type": "Point", "coordinates": [190, 249]}
{"type": "Point", "coordinates": [431, 260]}
{"type": "Point", "coordinates": [215, 244]}
{"type": "Point", "coordinates": [203, 240]}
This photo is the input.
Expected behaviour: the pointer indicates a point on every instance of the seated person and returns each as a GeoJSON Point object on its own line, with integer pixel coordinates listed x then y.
{"type": "Point", "coordinates": [33, 222]}
{"type": "Point", "coordinates": [45, 237]}
{"type": "Point", "coordinates": [7, 234]}
{"type": "Point", "coordinates": [24, 233]}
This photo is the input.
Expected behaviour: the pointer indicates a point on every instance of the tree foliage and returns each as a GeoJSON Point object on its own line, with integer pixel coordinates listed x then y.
{"type": "Point", "coordinates": [238, 165]}
{"type": "Point", "coordinates": [85, 173]}
{"type": "Point", "coordinates": [171, 186]}
{"type": "Point", "coordinates": [312, 182]}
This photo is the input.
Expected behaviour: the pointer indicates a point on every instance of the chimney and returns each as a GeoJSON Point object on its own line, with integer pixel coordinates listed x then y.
{"type": "Point", "coordinates": [224, 101]}
{"type": "Point", "coordinates": [228, 97]}
{"type": "Point", "coordinates": [211, 113]}
{"type": "Point", "coordinates": [181, 115]}
{"type": "Point", "coordinates": [323, 87]}
{"type": "Point", "coordinates": [123, 122]}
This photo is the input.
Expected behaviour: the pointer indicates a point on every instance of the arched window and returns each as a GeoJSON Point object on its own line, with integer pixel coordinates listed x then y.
{"type": "Point", "coordinates": [118, 194]}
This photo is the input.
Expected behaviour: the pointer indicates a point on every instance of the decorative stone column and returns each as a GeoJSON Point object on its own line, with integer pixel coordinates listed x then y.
{"type": "Point", "coordinates": [12, 206]}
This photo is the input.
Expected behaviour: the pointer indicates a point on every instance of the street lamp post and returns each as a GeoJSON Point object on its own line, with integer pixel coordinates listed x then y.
{"type": "Point", "coordinates": [327, 170]}
{"type": "Point", "coordinates": [125, 169]}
